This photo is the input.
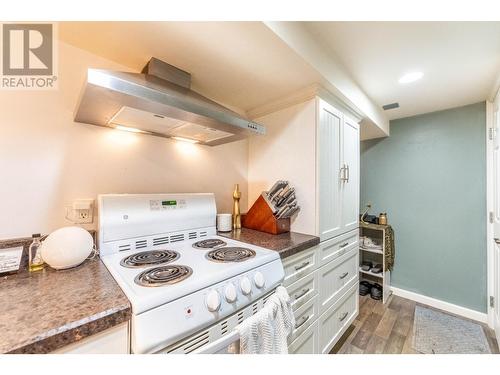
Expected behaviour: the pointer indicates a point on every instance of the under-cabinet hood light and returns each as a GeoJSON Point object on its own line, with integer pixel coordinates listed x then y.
{"type": "Point", "coordinates": [127, 129]}
{"type": "Point", "coordinates": [185, 140]}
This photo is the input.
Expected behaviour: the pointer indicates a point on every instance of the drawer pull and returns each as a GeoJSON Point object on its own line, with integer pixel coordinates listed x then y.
{"type": "Point", "coordinates": [344, 315]}
{"type": "Point", "coordinates": [303, 320]}
{"type": "Point", "coordinates": [302, 294]}
{"type": "Point", "coordinates": [302, 266]}
{"type": "Point", "coordinates": [344, 275]}
{"type": "Point", "coordinates": [344, 245]}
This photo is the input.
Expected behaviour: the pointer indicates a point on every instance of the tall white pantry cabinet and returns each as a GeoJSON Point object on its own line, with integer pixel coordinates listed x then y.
{"type": "Point", "coordinates": [315, 145]}
{"type": "Point", "coordinates": [338, 172]}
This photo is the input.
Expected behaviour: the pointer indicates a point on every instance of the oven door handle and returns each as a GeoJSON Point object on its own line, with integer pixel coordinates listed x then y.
{"type": "Point", "coordinates": [230, 343]}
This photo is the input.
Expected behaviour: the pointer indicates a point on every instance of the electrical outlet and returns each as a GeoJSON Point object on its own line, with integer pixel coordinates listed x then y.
{"type": "Point", "coordinates": [83, 215]}
{"type": "Point", "coordinates": [83, 210]}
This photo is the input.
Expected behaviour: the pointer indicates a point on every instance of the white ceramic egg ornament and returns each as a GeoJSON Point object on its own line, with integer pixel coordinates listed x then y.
{"type": "Point", "coordinates": [67, 247]}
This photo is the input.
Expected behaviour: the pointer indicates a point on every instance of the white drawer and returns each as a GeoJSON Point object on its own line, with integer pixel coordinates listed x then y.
{"type": "Point", "coordinates": [304, 317]}
{"type": "Point", "coordinates": [338, 246]}
{"type": "Point", "coordinates": [307, 342]}
{"type": "Point", "coordinates": [303, 290]}
{"type": "Point", "coordinates": [334, 322]}
{"type": "Point", "coordinates": [299, 265]}
{"type": "Point", "coordinates": [335, 277]}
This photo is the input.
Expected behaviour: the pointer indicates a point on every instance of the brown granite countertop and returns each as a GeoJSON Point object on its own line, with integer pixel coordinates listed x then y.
{"type": "Point", "coordinates": [46, 310]}
{"type": "Point", "coordinates": [285, 244]}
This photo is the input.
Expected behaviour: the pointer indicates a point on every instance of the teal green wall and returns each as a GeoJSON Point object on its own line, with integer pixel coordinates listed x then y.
{"type": "Point", "coordinates": [430, 177]}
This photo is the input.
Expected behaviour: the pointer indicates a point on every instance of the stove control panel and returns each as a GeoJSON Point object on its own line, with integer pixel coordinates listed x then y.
{"type": "Point", "coordinates": [164, 205]}
{"type": "Point", "coordinates": [229, 292]}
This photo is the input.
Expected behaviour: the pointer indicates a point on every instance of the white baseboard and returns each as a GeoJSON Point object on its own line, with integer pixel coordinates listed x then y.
{"type": "Point", "coordinates": [442, 305]}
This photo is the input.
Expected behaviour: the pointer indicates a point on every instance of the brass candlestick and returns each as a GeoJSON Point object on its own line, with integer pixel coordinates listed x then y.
{"type": "Point", "coordinates": [236, 207]}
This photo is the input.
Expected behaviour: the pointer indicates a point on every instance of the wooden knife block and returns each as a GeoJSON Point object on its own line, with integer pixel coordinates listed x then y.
{"type": "Point", "coordinates": [260, 217]}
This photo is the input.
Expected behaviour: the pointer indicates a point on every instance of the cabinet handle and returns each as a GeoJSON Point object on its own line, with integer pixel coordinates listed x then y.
{"type": "Point", "coordinates": [302, 294]}
{"type": "Point", "coordinates": [344, 275]}
{"type": "Point", "coordinates": [344, 315]}
{"type": "Point", "coordinates": [344, 245]}
{"type": "Point", "coordinates": [304, 319]}
{"type": "Point", "coordinates": [343, 173]}
{"type": "Point", "coordinates": [497, 241]}
{"type": "Point", "coordinates": [348, 174]}
{"type": "Point", "coordinates": [302, 266]}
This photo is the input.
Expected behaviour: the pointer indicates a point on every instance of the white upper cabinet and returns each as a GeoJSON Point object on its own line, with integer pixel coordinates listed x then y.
{"type": "Point", "coordinates": [350, 186]}
{"type": "Point", "coordinates": [329, 170]}
{"type": "Point", "coordinates": [338, 172]}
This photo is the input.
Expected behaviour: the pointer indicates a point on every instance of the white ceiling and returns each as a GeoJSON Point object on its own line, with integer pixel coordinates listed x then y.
{"type": "Point", "coordinates": [240, 64]}
{"type": "Point", "coordinates": [245, 65]}
{"type": "Point", "coordinates": [460, 60]}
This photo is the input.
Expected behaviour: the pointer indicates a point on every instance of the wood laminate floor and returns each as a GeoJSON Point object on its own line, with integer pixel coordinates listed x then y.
{"type": "Point", "coordinates": [387, 329]}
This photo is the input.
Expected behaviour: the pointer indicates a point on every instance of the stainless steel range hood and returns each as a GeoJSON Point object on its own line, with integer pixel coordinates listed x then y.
{"type": "Point", "coordinates": [159, 102]}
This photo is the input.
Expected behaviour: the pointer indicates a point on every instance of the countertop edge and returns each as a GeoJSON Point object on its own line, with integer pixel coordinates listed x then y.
{"type": "Point", "coordinates": [77, 331]}
{"type": "Point", "coordinates": [285, 244]}
{"type": "Point", "coordinates": [297, 249]}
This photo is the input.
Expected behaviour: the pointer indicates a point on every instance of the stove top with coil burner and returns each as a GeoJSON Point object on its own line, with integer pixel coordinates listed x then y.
{"type": "Point", "coordinates": [163, 275]}
{"type": "Point", "coordinates": [149, 258]}
{"type": "Point", "coordinates": [210, 243]}
{"type": "Point", "coordinates": [230, 254]}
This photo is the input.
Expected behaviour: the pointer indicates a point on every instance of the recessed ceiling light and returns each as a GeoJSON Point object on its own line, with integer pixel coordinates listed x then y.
{"type": "Point", "coordinates": [411, 77]}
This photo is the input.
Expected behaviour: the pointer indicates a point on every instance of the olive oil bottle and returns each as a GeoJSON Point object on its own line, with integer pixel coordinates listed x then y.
{"type": "Point", "coordinates": [35, 258]}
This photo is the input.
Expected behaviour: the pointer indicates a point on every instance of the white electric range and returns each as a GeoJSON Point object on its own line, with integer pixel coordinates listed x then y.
{"type": "Point", "coordinates": [187, 286]}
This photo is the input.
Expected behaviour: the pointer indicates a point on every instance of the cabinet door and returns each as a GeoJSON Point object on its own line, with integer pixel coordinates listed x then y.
{"type": "Point", "coordinates": [350, 186]}
{"type": "Point", "coordinates": [334, 322]}
{"type": "Point", "coordinates": [329, 158]}
{"type": "Point", "coordinates": [114, 340]}
{"type": "Point", "coordinates": [307, 342]}
{"type": "Point", "coordinates": [336, 277]}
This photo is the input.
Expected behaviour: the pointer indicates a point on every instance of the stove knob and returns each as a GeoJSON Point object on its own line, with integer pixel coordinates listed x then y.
{"type": "Point", "coordinates": [230, 293]}
{"type": "Point", "coordinates": [258, 279]}
{"type": "Point", "coordinates": [213, 300]}
{"type": "Point", "coordinates": [245, 285]}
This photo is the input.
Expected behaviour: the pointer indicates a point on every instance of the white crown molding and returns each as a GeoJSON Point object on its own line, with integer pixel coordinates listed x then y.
{"type": "Point", "coordinates": [303, 95]}
{"type": "Point", "coordinates": [300, 96]}
{"type": "Point", "coordinates": [442, 305]}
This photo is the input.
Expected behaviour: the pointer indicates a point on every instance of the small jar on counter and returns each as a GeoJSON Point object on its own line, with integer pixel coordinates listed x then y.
{"type": "Point", "coordinates": [382, 218]}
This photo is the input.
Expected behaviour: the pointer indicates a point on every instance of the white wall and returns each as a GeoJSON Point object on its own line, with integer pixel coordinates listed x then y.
{"type": "Point", "coordinates": [270, 159]}
{"type": "Point", "coordinates": [47, 160]}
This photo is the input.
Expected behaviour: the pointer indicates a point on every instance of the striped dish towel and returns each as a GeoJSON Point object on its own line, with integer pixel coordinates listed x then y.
{"type": "Point", "coordinates": [267, 331]}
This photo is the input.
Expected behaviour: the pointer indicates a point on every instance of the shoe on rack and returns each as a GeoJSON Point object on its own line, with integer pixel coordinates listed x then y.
{"type": "Point", "coordinates": [377, 268]}
{"type": "Point", "coordinates": [365, 287]}
{"type": "Point", "coordinates": [366, 266]}
{"type": "Point", "coordinates": [376, 292]}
